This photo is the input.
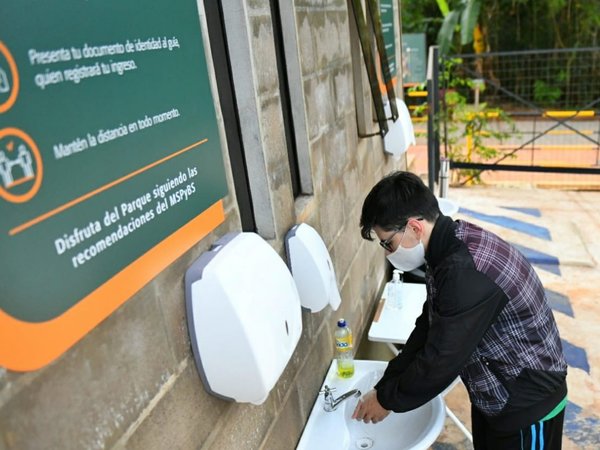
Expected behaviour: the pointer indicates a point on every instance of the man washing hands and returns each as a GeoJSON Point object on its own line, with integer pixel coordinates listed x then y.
{"type": "Point", "coordinates": [486, 318]}
{"type": "Point", "coordinates": [369, 410]}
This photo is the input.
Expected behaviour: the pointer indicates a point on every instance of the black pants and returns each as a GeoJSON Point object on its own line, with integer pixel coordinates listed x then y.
{"type": "Point", "coordinates": [545, 435]}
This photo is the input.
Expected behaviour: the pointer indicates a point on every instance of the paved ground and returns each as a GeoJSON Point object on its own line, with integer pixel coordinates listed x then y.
{"type": "Point", "coordinates": [559, 231]}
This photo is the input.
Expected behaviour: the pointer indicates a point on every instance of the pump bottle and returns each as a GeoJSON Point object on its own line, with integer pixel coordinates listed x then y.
{"type": "Point", "coordinates": [394, 291]}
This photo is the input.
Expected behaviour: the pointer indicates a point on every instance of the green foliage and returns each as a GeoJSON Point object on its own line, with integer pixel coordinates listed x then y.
{"type": "Point", "coordinates": [468, 21]}
{"type": "Point", "coordinates": [420, 110]}
{"type": "Point", "coordinates": [469, 131]}
{"type": "Point", "coordinates": [443, 5]}
{"type": "Point", "coordinates": [449, 77]}
{"type": "Point", "coordinates": [509, 24]}
{"type": "Point", "coordinates": [462, 17]}
{"type": "Point", "coordinates": [545, 94]}
{"type": "Point", "coordinates": [447, 31]}
{"type": "Point", "coordinates": [421, 16]}
{"type": "Point", "coordinates": [555, 6]}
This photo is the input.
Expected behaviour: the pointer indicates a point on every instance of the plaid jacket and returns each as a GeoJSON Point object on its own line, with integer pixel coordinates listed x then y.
{"type": "Point", "coordinates": [487, 319]}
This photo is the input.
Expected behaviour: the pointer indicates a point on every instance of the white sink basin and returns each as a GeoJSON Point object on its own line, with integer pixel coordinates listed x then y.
{"type": "Point", "coordinates": [447, 207]}
{"type": "Point", "coordinates": [416, 429]}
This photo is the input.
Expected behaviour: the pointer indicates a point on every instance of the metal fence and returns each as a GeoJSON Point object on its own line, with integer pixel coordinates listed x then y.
{"type": "Point", "coordinates": [519, 116]}
{"type": "Point", "coordinates": [566, 79]}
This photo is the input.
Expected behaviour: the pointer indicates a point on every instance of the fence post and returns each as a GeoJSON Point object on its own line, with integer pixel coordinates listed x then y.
{"type": "Point", "coordinates": [598, 146]}
{"type": "Point", "coordinates": [444, 176]}
{"type": "Point", "coordinates": [433, 142]}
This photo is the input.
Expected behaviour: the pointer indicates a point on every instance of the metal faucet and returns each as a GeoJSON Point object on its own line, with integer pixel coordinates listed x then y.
{"type": "Point", "coordinates": [331, 403]}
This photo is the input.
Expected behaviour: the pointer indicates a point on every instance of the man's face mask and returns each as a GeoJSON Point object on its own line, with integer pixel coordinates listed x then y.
{"type": "Point", "coordinates": [407, 259]}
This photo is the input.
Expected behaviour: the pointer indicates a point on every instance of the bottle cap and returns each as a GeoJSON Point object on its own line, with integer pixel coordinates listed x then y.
{"type": "Point", "coordinates": [341, 323]}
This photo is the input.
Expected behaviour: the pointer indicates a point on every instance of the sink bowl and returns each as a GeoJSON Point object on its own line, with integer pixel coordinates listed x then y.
{"type": "Point", "coordinates": [417, 429]}
{"type": "Point", "coordinates": [447, 207]}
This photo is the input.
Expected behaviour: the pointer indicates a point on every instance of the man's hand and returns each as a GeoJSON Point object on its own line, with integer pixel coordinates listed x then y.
{"type": "Point", "coordinates": [369, 409]}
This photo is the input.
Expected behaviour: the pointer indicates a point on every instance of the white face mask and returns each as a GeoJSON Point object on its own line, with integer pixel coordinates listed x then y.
{"type": "Point", "coordinates": [407, 259]}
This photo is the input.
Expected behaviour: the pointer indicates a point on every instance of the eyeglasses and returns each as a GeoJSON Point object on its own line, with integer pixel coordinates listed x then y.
{"type": "Point", "coordinates": [386, 244]}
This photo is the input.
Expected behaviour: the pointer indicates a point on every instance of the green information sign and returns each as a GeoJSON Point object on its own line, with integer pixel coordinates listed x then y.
{"type": "Point", "coordinates": [110, 160]}
{"type": "Point", "coordinates": [386, 10]}
{"type": "Point", "coordinates": [414, 58]}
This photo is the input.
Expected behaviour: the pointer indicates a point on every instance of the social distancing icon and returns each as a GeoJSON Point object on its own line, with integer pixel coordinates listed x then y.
{"type": "Point", "coordinates": [9, 79]}
{"type": "Point", "coordinates": [21, 166]}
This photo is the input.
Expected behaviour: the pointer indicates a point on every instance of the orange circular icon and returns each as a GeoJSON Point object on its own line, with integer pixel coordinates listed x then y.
{"type": "Point", "coordinates": [15, 79]}
{"type": "Point", "coordinates": [25, 162]}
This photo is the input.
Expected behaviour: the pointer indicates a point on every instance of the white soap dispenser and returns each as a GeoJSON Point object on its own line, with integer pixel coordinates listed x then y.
{"type": "Point", "coordinates": [244, 317]}
{"type": "Point", "coordinates": [312, 268]}
{"type": "Point", "coordinates": [400, 133]}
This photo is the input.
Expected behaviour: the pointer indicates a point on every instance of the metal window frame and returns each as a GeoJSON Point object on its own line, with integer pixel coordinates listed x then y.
{"type": "Point", "coordinates": [226, 91]}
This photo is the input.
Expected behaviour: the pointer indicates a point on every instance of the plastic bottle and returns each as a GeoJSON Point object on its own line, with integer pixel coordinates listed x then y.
{"type": "Point", "coordinates": [343, 347]}
{"type": "Point", "coordinates": [394, 291]}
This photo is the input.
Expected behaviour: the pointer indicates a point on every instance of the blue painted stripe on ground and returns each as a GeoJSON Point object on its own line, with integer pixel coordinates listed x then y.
{"type": "Point", "coordinates": [575, 356]}
{"type": "Point", "coordinates": [543, 260]}
{"type": "Point", "coordinates": [529, 211]}
{"type": "Point", "coordinates": [511, 224]}
{"type": "Point", "coordinates": [581, 428]}
{"type": "Point", "coordinates": [559, 302]}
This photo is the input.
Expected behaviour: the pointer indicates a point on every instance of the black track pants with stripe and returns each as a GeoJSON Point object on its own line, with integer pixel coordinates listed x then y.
{"type": "Point", "coordinates": [545, 435]}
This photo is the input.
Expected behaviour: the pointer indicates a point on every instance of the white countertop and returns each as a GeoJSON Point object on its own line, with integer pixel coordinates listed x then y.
{"type": "Point", "coordinates": [395, 325]}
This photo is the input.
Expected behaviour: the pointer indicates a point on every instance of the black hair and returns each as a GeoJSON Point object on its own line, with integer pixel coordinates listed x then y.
{"type": "Point", "coordinates": [393, 200]}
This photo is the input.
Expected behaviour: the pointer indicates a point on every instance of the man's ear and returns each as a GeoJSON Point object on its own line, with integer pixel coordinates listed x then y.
{"type": "Point", "coordinates": [417, 227]}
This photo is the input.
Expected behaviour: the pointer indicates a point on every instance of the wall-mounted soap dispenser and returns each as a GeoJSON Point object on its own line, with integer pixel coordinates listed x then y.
{"type": "Point", "coordinates": [312, 268]}
{"type": "Point", "coordinates": [401, 134]}
{"type": "Point", "coordinates": [244, 317]}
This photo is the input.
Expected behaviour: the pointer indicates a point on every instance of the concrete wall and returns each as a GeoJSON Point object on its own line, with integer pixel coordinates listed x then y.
{"type": "Point", "coordinates": [131, 382]}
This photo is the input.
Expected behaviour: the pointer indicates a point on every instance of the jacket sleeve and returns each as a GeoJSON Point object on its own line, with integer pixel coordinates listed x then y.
{"type": "Point", "coordinates": [466, 305]}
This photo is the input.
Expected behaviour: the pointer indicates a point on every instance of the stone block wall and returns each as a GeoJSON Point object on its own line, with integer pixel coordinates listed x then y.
{"type": "Point", "coordinates": [132, 382]}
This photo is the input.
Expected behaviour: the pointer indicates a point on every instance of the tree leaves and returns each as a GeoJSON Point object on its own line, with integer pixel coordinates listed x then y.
{"type": "Point", "coordinates": [447, 31]}
{"type": "Point", "coordinates": [468, 21]}
{"type": "Point", "coordinates": [467, 13]}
